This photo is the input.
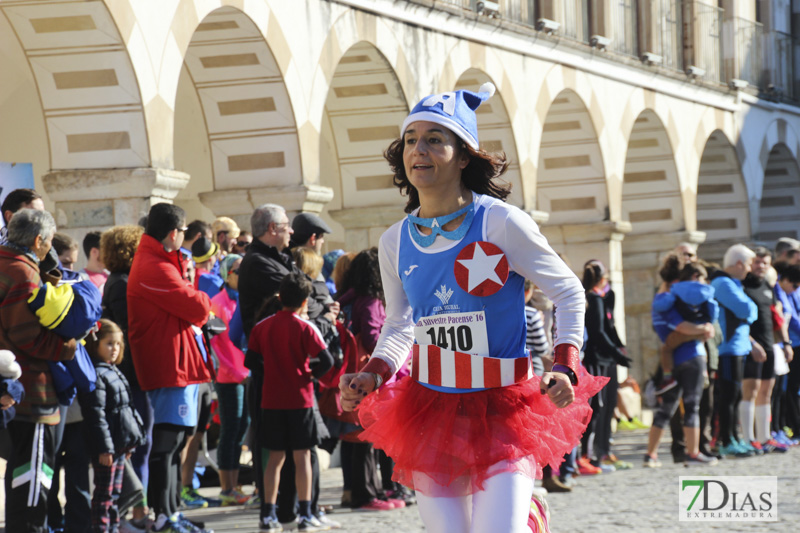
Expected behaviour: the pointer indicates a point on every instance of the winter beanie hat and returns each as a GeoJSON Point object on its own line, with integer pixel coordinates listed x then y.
{"type": "Point", "coordinates": [454, 110]}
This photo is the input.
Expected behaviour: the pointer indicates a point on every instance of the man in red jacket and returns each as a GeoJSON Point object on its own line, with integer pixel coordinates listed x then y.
{"type": "Point", "coordinates": [165, 312]}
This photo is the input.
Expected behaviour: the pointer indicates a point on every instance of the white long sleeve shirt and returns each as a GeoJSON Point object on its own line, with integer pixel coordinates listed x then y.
{"type": "Point", "coordinates": [528, 254]}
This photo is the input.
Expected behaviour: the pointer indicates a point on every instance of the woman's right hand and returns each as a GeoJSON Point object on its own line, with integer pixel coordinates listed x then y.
{"type": "Point", "coordinates": [354, 388]}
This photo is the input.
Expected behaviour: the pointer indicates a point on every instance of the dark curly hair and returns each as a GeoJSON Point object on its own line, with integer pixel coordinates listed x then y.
{"type": "Point", "coordinates": [480, 174]}
{"type": "Point", "coordinates": [117, 246]}
{"type": "Point", "coordinates": [364, 274]}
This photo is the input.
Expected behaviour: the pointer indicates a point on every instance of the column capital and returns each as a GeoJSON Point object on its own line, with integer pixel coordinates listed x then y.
{"type": "Point", "coordinates": [112, 183]}
{"type": "Point", "coordinates": [94, 199]}
{"type": "Point", "coordinates": [238, 203]}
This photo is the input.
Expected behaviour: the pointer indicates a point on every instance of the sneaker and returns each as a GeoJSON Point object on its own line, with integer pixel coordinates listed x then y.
{"type": "Point", "coordinates": [553, 484]}
{"type": "Point", "coordinates": [625, 425]}
{"type": "Point", "coordinates": [327, 522]}
{"type": "Point", "coordinates": [269, 523]}
{"type": "Point", "coordinates": [377, 505]}
{"type": "Point", "coordinates": [604, 468]}
{"type": "Point", "coordinates": [191, 526]}
{"type": "Point", "coordinates": [232, 497]}
{"type": "Point", "coordinates": [309, 523]}
{"type": "Point", "coordinates": [782, 438]}
{"type": "Point", "coordinates": [396, 503]}
{"type": "Point", "coordinates": [253, 502]}
{"type": "Point", "coordinates": [700, 460]}
{"type": "Point", "coordinates": [665, 386]}
{"type": "Point", "coordinates": [749, 447]}
{"type": "Point", "coordinates": [403, 493]}
{"type": "Point", "coordinates": [638, 424]}
{"type": "Point", "coordinates": [618, 464]}
{"type": "Point", "coordinates": [126, 526]}
{"type": "Point", "coordinates": [772, 446]}
{"type": "Point", "coordinates": [192, 500]}
{"type": "Point", "coordinates": [788, 432]}
{"type": "Point", "coordinates": [651, 462]}
{"type": "Point", "coordinates": [733, 450]}
{"type": "Point", "coordinates": [168, 524]}
{"type": "Point", "coordinates": [586, 468]}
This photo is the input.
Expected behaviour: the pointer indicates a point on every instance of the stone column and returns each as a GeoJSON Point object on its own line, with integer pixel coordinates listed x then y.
{"type": "Point", "coordinates": [602, 241]}
{"type": "Point", "coordinates": [641, 258]}
{"type": "Point", "coordinates": [649, 22]}
{"type": "Point", "coordinates": [239, 204]}
{"type": "Point", "coordinates": [96, 199]}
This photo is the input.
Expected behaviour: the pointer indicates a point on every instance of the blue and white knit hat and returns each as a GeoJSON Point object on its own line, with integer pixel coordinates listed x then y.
{"type": "Point", "coordinates": [454, 110]}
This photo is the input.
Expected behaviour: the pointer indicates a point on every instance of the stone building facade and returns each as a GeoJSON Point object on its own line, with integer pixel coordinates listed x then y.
{"type": "Point", "coordinates": [631, 125]}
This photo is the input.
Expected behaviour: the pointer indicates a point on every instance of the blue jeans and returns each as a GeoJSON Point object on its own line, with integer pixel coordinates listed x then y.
{"type": "Point", "coordinates": [234, 421]}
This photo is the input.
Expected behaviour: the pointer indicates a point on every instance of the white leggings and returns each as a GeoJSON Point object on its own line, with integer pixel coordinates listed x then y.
{"type": "Point", "coordinates": [503, 506]}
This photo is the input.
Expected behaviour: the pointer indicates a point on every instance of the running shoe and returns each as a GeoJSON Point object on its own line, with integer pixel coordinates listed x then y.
{"type": "Point", "coordinates": [757, 446]}
{"type": "Point", "coordinates": [666, 385]}
{"type": "Point", "coordinates": [618, 464]}
{"type": "Point", "coordinates": [772, 446]}
{"type": "Point", "coordinates": [733, 450]}
{"type": "Point", "coordinates": [191, 526]}
{"type": "Point", "coordinates": [651, 462]}
{"type": "Point", "coordinates": [253, 502]}
{"type": "Point", "coordinates": [638, 424]}
{"type": "Point", "coordinates": [269, 523]}
{"type": "Point", "coordinates": [192, 500]}
{"type": "Point", "coordinates": [396, 503]}
{"type": "Point", "coordinates": [309, 523]}
{"type": "Point", "coordinates": [232, 497]}
{"type": "Point", "coordinates": [586, 468]}
{"type": "Point", "coordinates": [167, 524]}
{"type": "Point", "coordinates": [326, 521]}
{"type": "Point", "coordinates": [750, 448]}
{"type": "Point", "coordinates": [625, 425]}
{"type": "Point", "coordinates": [569, 480]}
{"type": "Point", "coordinates": [376, 505]}
{"type": "Point", "coordinates": [403, 493]}
{"type": "Point", "coordinates": [129, 527]}
{"type": "Point", "coordinates": [700, 460]}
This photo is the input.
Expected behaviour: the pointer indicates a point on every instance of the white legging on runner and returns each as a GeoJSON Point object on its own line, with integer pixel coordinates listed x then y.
{"type": "Point", "coordinates": [503, 506]}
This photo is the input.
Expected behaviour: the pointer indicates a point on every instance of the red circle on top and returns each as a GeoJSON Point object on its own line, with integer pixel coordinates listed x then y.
{"type": "Point", "coordinates": [481, 268]}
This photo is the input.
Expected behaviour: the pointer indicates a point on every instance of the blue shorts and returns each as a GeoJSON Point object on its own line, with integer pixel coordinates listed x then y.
{"type": "Point", "coordinates": [175, 405]}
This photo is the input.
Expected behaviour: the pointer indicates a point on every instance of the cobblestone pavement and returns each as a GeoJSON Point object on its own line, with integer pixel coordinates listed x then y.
{"type": "Point", "coordinates": [637, 500]}
{"type": "Point", "coordinates": [640, 500]}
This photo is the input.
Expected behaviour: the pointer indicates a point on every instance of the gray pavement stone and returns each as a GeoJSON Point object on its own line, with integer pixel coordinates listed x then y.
{"type": "Point", "coordinates": [637, 500]}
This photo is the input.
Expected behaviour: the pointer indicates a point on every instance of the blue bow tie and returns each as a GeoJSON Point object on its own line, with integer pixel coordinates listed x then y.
{"type": "Point", "coordinates": [435, 224]}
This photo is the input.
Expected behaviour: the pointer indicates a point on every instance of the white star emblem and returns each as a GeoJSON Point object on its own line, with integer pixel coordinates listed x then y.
{"type": "Point", "coordinates": [481, 267]}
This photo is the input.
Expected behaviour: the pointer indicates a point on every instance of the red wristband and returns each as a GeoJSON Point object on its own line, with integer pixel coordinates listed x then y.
{"type": "Point", "coordinates": [567, 355]}
{"type": "Point", "coordinates": [378, 366]}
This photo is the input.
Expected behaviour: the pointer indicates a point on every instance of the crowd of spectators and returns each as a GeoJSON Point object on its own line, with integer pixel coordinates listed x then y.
{"type": "Point", "coordinates": [203, 321]}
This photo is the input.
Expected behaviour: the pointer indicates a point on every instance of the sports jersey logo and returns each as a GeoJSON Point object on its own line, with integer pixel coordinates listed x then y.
{"type": "Point", "coordinates": [183, 410]}
{"type": "Point", "coordinates": [444, 294]}
{"type": "Point", "coordinates": [481, 268]}
{"type": "Point", "coordinates": [410, 270]}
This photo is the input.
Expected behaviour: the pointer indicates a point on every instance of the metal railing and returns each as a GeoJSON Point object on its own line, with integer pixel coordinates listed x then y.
{"type": "Point", "coordinates": [626, 36]}
{"type": "Point", "coordinates": [779, 60]}
{"type": "Point", "coordinates": [703, 41]}
{"type": "Point", "coordinates": [747, 39]}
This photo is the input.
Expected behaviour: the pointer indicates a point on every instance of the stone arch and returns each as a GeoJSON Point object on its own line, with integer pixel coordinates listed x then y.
{"type": "Point", "coordinates": [363, 112]}
{"type": "Point", "coordinates": [723, 209]}
{"type": "Point", "coordinates": [235, 129]}
{"type": "Point", "coordinates": [571, 183]}
{"type": "Point", "coordinates": [494, 130]}
{"type": "Point", "coordinates": [651, 194]}
{"type": "Point", "coordinates": [88, 92]}
{"type": "Point", "coordinates": [779, 209]}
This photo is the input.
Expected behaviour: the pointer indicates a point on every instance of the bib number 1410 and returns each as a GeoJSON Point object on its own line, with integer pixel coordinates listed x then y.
{"type": "Point", "coordinates": [456, 338]}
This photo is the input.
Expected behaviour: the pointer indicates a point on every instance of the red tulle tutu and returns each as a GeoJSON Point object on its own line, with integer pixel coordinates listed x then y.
{"type": "Point", "coordinates": [443, 442]}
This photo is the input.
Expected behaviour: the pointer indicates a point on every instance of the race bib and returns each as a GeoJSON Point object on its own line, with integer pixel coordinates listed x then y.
{"type": "Point", "coordinates": [459, 332]}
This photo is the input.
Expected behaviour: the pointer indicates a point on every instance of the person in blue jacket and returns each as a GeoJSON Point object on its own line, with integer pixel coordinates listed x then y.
{"type": "Point", "coordinates": [737, 312]}
{"type": "Point", "coordinates": [692, 301]}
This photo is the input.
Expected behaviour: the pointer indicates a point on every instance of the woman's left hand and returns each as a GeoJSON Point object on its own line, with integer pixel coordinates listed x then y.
{"type": "Point", "coordinates": [558, 387]}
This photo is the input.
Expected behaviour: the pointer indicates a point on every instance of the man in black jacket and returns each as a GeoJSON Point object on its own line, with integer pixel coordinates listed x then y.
{"type": "Point", "coordinates": [260, 274]}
